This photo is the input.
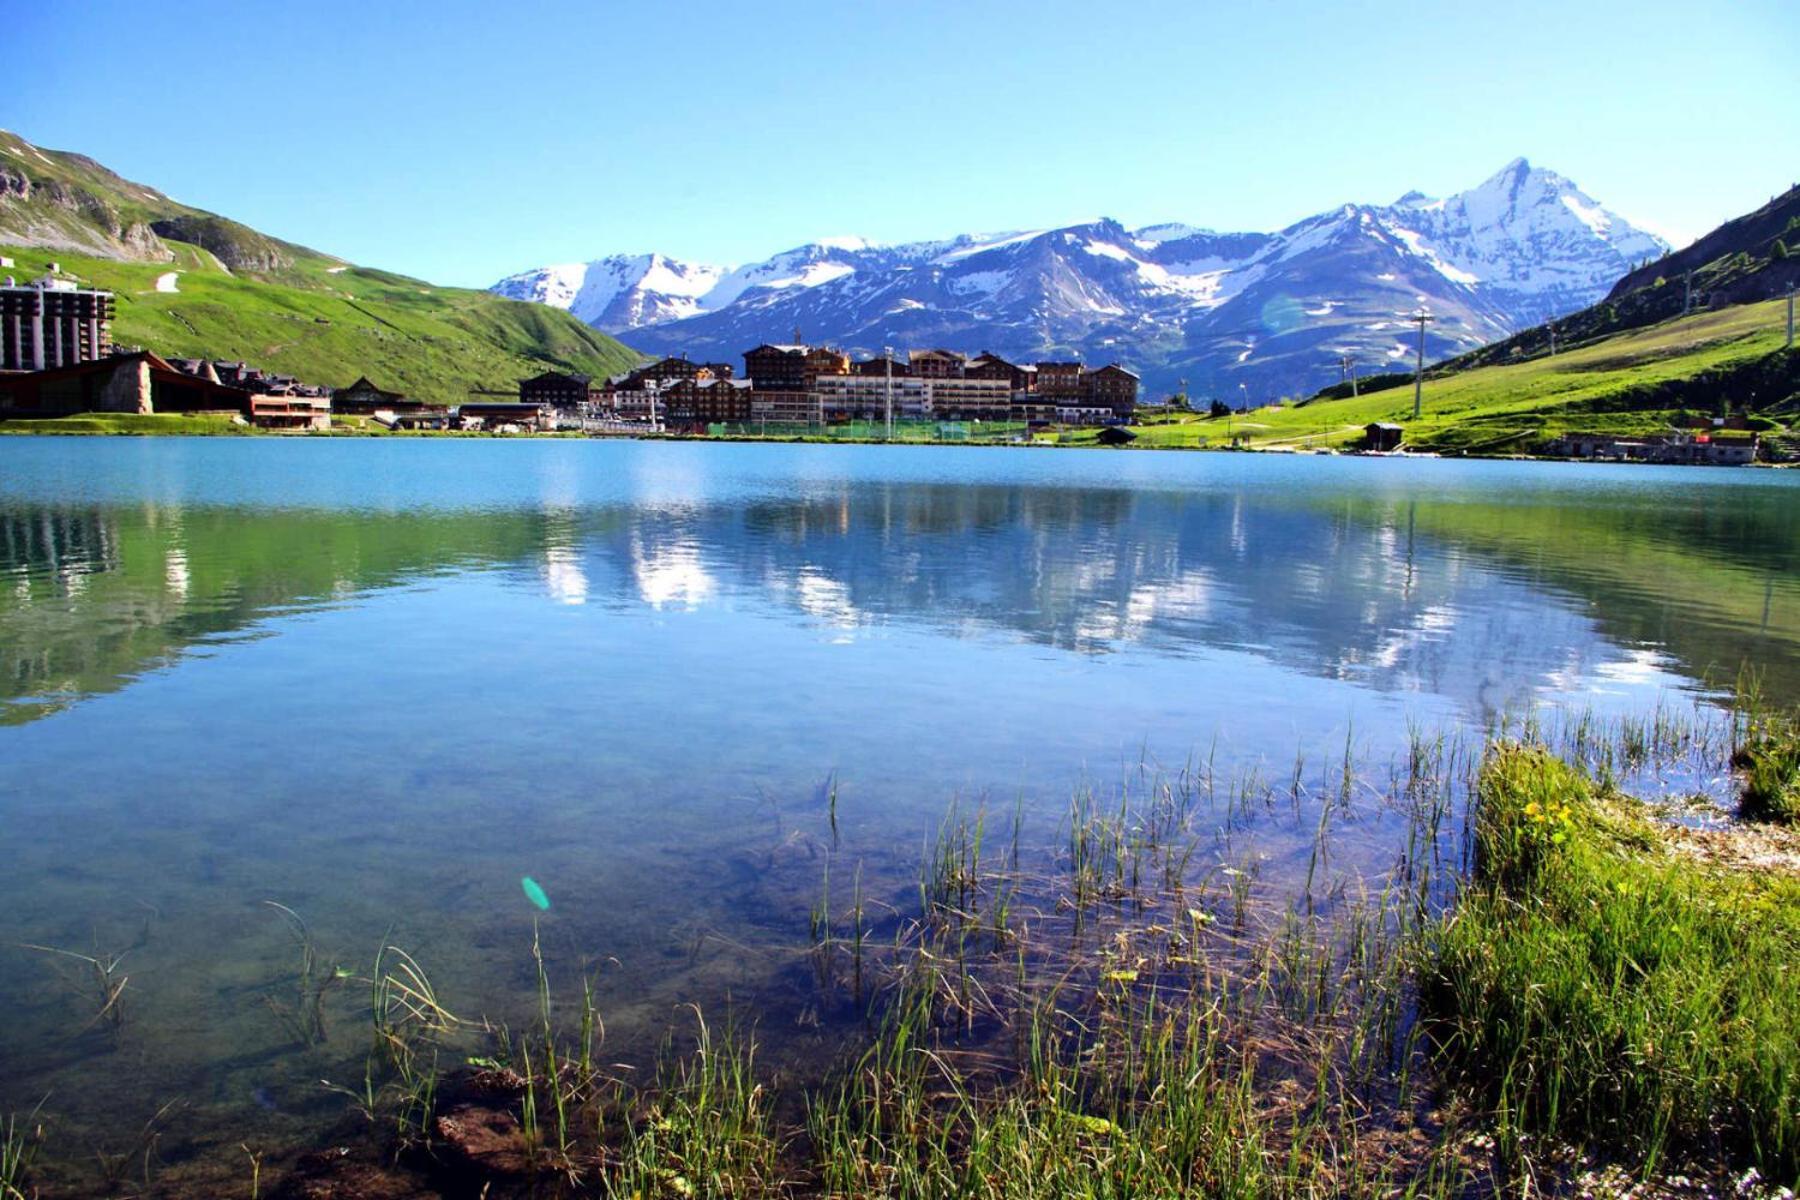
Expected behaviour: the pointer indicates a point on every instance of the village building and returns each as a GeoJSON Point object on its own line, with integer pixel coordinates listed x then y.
{"type": "Point", "coordinates": [139, 382]}
{"type": "Point", "coordinates": [363, 398]}
{"type": "Point", "coordinates": [670, 368]}
{"type": "Point", "coordinates": [424, 417]}
{"type": "Point", "coordinates": [1079, 412]}
{"type": "Point", "coordinates": [555, 389]}
{"type": "Point", "coordinates": [881, 365]}
{"type": "Point", "coordinates": [53, 323]}
{"type": "Point", "coordinates": [992, 366]}
{"type": "Point", "coordinates": [499, 417]}
{"type": "Point", "coordinates": [1060, 380]}
{"type": "Point", "coordinates": [618, 401]}
{"type": "Point", "coordinates": [251, 379]}
{"type": "Point", "coordinates": [864, 397]}
{"type": "Point", "coordinates": [1383, 436]}
{"type": "Point", "coordinates": [693, 404]}
{"type": "Point", "coordinates": [777, 368]}
{"type": "Point", "coordinates": [1712, 448]}
{"type": "Point", "coordinates": [785, 406]}
{"type": "Point", "coordinates": [937, 364]}
{"type": "Point", "coordinates": [199, 368]}
{"type": "Point", "coordinates": [289, 412]}
{"type": "Point", "coordinates": [971, 399]}
{"type": "Point", "coordinates": [822, 361]}
{"type": "Point", "coordinates": [1112, 386]}
{"type": "Point", "coordinates": [666, 369]}
{"type": "Point", "coordinates": [794, 383]}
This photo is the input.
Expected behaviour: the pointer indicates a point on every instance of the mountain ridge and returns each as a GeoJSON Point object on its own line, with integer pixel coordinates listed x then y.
{"type": "Point", "coordinates": [1271, 311]}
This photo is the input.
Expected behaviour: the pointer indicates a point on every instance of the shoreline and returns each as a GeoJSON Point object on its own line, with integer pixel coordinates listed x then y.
{"type": "Point", "coordinates": [20, 427]}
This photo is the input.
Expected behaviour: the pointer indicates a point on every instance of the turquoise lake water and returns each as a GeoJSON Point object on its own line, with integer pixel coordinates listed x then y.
{"type": "Point", "coordinates": [380, 681]}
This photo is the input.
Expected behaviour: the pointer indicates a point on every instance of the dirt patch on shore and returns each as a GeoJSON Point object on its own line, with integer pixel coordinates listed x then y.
{"type": "Point", "coordinates": [1742, 846]}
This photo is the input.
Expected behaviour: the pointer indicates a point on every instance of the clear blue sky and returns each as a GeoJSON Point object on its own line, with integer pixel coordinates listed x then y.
{"type": "Point", "coordinates": [462, 141]}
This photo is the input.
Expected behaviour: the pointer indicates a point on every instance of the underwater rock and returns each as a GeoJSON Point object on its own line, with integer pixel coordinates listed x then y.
{"type": "Point", "coordinates": [336, 1175]}
{"type": "Point", "coordinates": [486, 1140]}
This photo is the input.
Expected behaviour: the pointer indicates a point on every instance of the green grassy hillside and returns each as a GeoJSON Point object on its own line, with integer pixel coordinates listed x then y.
{"type": "Point", "coordinates": [328, 324]}
{"type": "Point", "coordinates": [1633, 382]}
{"type": "Point", "coordinates": [241, 294]}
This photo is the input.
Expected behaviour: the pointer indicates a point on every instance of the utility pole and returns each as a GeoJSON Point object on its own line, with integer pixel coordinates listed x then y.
{"type": "Point", "coordinates": [1687, 292]}
{"type": "Point", "coordinates": [1347, 369]}
{"type": "Point", "coordinates": [1790, 341]}
{"type": "Point", "coordinates": [888, 368]}
{"type": "Point", "coordinates": [1553, 339]}
{"type": "Point", "coordinates": [1422, 316]}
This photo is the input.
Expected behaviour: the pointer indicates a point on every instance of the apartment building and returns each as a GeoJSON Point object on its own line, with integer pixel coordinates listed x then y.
{"type": "Point", "coordinates": [971, 399]}
{"type": "Point", "coordinates": [53, 323]}
{"type": "Point", "coordinates": [864, 397]}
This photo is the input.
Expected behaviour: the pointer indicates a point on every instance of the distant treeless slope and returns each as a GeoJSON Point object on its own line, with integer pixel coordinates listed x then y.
{"type": "Point", "coordinates": [1629, 382]}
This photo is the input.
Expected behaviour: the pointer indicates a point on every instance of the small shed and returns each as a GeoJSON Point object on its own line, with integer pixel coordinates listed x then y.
{"type": "Point", "coordinates": [1382, 435]}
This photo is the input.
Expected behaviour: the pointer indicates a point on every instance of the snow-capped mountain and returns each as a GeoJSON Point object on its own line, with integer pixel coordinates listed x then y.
{"type": "Point", "coordinates": [1531, 240]}
{"type": "Point", "coordinates": [1274, 312]}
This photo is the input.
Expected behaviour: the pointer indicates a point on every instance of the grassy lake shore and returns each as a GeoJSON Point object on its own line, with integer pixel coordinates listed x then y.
{"type": "Point", "coordinates": [1552, 991]}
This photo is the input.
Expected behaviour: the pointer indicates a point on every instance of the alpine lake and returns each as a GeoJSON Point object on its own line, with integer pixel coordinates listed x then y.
{"type": "Point", "coordinates": [530, 713]}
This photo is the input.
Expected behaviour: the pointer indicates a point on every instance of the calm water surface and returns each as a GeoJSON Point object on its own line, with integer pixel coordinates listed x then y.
{"type": "Point", "coordinates": [379, 681]}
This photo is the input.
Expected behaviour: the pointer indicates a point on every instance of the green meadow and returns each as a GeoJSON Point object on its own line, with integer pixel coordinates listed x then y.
{"type": "Point", "coordinates": [1598, 387]}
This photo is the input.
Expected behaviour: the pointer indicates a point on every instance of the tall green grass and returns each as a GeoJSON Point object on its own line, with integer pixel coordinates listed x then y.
{"type": "Point", "coordinates": [1768, 759]}
{"type": "Point", "coordinates": [1596, 985]}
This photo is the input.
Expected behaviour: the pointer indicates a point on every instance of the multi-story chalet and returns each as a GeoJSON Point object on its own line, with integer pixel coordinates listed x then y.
{"type": "Point", "coordinates": [938, 364]}
{"type": "Point", "coordinates": [53, 323]}
{"type": "Point", "coordinates": [822, 361]}
{"type": "Point", "coordinates": [1060, 380]}
{"type": "Point", "coordinates": [697, 403]}
{"type": "Point", "coordinates": [881, 365]}
{"type": "Point", "coordinates": [1113, 387]}
{"type": "Point", "coordinates": [792, 367]}
{"type": "Point", "coordinates": [992, 366]}
{"type": "Point", "coordinates": [777, 368]}
{"type": "Point", "coordinates": [556, 389]}
{"type": "Point", "coordinates": [672, 367]}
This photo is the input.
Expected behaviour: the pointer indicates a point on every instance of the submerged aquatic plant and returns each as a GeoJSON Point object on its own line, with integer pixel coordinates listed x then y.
{"type": "Point", "coordinates": [100, 980]}
{"type": "Point", "coordinates": [20, 1141]}
{"type": "Point", "coordinates": [304, 1019]}
{"type": "Point", "coordinates": [141, 1154]}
